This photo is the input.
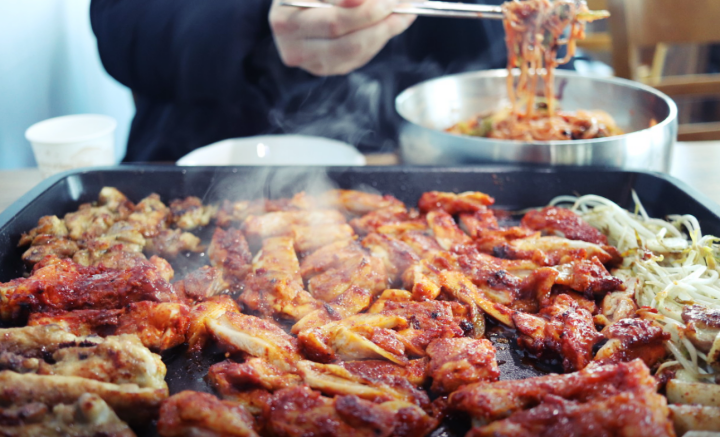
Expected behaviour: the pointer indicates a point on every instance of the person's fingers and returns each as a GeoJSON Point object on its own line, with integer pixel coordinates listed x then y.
{"type": "Point", "coordinates": [328, 22]}
{"type": "Point", "coordinates": [324, 57]}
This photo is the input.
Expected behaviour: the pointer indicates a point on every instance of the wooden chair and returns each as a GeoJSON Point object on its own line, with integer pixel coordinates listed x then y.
{"type": "Point", "coordinates": [638, 24]}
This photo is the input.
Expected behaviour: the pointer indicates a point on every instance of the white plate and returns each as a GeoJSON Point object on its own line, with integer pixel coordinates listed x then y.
{"type": "Point", "coordinates": [275, 150]}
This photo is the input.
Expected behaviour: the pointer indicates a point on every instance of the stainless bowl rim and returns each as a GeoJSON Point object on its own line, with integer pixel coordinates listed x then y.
{"type": "Point", "coordinates": [672, 115]}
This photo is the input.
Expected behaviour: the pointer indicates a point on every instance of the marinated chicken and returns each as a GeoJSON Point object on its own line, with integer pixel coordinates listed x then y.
{"type": "Point", "coordinates": [90, 416]}
{"type": "Point", "coordinates": [189, 414]}
{"type": "Point", "coordinates": [328, 314]}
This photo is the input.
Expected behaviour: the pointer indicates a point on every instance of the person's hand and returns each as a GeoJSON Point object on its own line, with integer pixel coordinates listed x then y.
{"type": "Point", "coordinates": [330, 41]}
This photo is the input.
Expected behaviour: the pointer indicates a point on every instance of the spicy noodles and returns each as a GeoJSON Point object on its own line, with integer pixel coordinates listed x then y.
{"type": "Point", "coordinates": [534, 34]}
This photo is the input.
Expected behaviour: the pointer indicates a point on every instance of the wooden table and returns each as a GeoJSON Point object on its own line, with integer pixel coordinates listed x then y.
{"type": "Point", "coordinates": [697, 164]}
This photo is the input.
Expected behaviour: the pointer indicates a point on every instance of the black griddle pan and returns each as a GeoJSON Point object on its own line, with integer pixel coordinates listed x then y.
{"type": "Point", "coordinates": [513, 187]}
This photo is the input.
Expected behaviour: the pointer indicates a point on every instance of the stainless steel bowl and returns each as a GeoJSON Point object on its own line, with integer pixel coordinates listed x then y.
{"type": "Point", "coordinates": [431, 107]}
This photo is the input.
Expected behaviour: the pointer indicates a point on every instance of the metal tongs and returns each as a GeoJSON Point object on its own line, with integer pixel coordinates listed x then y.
{"type": "Point", "coordinates": [445, 9]}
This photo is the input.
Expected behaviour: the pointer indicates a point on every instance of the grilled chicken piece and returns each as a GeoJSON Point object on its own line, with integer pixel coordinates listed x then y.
{"type": "Point", "coordinates": [300, 411]}
{"type": "Point", "coordinates": [623, 414]}
{"type": "Point", "coordinates": [90, 416]}
{"type": "Point", "coordinates": [703, 326]}
{"type": "Point", "coordinates": [255, 337]}
{"type": "Point", "coordinates": [413, 372]}
{"type": "Point", "coordinates": [190, 213]}
{"type": "Point", "coordinates": [118, 258]}
{"type": "Point", "coordinates": [328, 257]}
{"type": "Point", "coordinates": [564, 328]}
{"type": "Point", "coordinates": [229, 252]}
{"type": "Point", "coordinates": [46, 245]}
{"type": "Point", "coordinates": [552, 251]}
{"type": "Point", "coordinates": [489, 401]}
{"type": "Point", "coordinates": [159, 326]}
{"type": "Point", "coordinates": [118, 369]}
{"type": "Point", "coordinates": [619, 305]}
{"type": "Point", "coordinates": [451, 203]}
{"type": "Point", "coordinates": [633, 338]}
{"type": "Point", "coordinates": [463, 290]}
{"type": "Point", "coordinates": [359, 337]}
{"type": "Point", "coordinates": [395, 254]}
{"type": "Point", "coordinates": [310, 238]}
{"type": "Point", "coordinates": [282, 223]}
{"type": "Point", "coordinates": [427, 321]}
{"type": "Point", "coordinates": [150, 216]}
{"type": "Point", "coordinates": [423, 278]}
{"type": "Point", "coordinates": [213, 308]}
{"type": "Point", "coordinates": [363, 271]}
{"type": "Point", "coordinates": [62, 285]}
{"type": "Point", "coordinates": [356, 202]}
{"type": "Point", "coordinates": [275, 287]}
{"type": "Point", "coordinates": [352, 301]}
{"type": "Point", "coordinates": [93, 221]}
{"type": "Point", "coordinates": [229, 378]}
{"type": "Point", "coordinates": [564, 223]}
{"type": "Point", "coordinates": [117, 359]}
{"type": "Point", "coordinates": [202, 284]}
{"type": "Point", "coordinates": [235, 213]}
{"type": "Point", "coordinates": [423, 244]}
{"type": "Point", "coordinates": [49, 225]}
{"type": "Point", "coordinates": [477, 223]}
{"type": "Point", "coordinates": [455, 362]}
{"type": "Point", "coordinates": [333, 379]}
{"type": "Point", "coordinates": [589, 277]}
{"type": "Point", "coordinates": [446, 231]}
{"type": "Point", "coordinates": [372, 221]}
{"type": "Point", "coordinates": [170, 243]}
{"type": "Point", "coordinates": [190, 414]}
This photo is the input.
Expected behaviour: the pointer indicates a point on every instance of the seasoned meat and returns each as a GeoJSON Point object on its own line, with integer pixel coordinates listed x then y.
{"type": "Point", "coordinates": [158, 325]}
{"type": "Point", "coordinates": [228, 377]}
{"type": "Point", "coordinates": [633, 338]}
{"type": "Point", "coordinates": [703, 325]}
{"type": "Point", "coordinates": [255, 337]}
{"type": "Point", "coordinates": [49, 225]}
{"type": "Point", "coordinates": [62, 285]}
{"type": "Point", "coordinates": [202, 284]}
{"type": "Point", "coordinates": [564, 328]}
{"type": "Point", "coordinates": [467, 202]}
{"type": "Point", "coordinates": [589, 277]}
{"type": "Point", "coordinates": [170, 243]}
{"type": "Point", "coordinates": [190, 213]}
{"type": "Point", "coordinates": [90, 416]}
{"type": "Point", "coordinates": [150, 216]}
{"type": "Point", "coordinates": [563, 222]}
{"type": "Point", "coordinates": [413, 372]}
{"type": "Point", "coordinates": [333, 379]}
{"type": "Point", "coordinates": [328, 257]}
{"type": "Point", "coordinates": [455, 362]}
{"type": "Point", "coordinates": [48, 245]}
{"type": "Point", "coordinates": [229, 252]}
{"type": "Point", "coordinates": [275, 287]}
{"type": "Point", "coordinates": [498, 400]}
{"type": "Point", "coordinates": [282, 223]}
{"type": "Point", "coordinates": [552, 251]}
{"type": "Point", "coordinates": [373, 220]}
{"type": "Point", "coordinates": [359, 337]}
{"type": "Point", "coordinates": [92, 221]}
{"type": "Point", "coordinates": [301, 411]}
{"type": "Point", "coordinates": [427, 321]}
{"type": "Point", "coordinates": [446, 231]}
{"type": "Point", "coordinates": [198, 333]}
{"type": "Point", "coordinates": [356, 202]}
{"type": "Point", "coordinates": [624, 414]}
{"type": "Point", "coordinates": [395, 254]}
{"type": "Point", "coordinates": [366, 272]}
{"type": "Point", "coordinates": [477, 223]}
{"type": "Point", "coordinates": [190, 414]}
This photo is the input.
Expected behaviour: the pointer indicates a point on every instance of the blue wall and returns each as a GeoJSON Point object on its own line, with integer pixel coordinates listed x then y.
{"type": "Point", "coordinates": [49, 67]}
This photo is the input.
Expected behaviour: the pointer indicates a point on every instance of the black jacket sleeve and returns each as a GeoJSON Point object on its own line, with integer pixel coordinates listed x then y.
{"type": "Point", "coordinates": [187, 51]}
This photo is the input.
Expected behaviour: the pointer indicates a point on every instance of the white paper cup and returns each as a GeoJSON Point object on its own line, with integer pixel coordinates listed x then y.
{"type": "Point", "coordinates": [73, 141]}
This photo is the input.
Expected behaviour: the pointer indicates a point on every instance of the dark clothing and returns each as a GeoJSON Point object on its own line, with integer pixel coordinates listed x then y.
{"type": "Point", "coordinates": [207, 70]}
